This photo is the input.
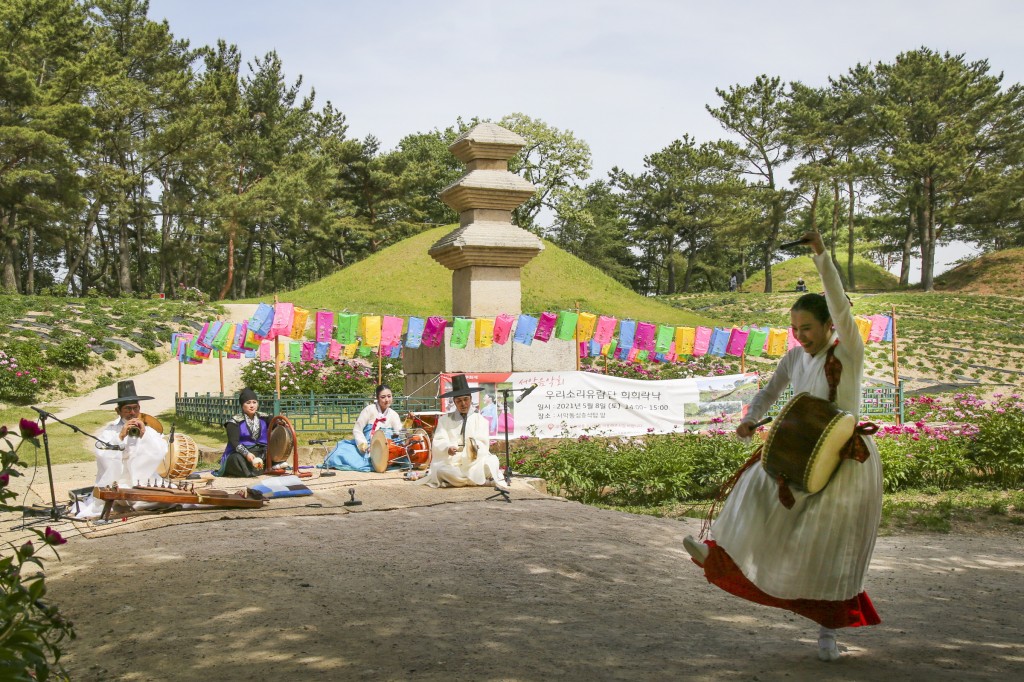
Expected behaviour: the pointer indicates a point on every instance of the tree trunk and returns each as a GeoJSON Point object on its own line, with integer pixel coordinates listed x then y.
{"type": "Point", "coordinates": [124, 274]}
{"type": "Point", "coordinates": [851, 282]}
{"type": "Point", "coordinates": [908, 246]}
{"type": "Point", "coordinates": [90, 222]}
{"type": "Point", "coordinates": [231, 260]}
{"type": "Point", "coordinates": [835, 230]}
{"type": "Point", "coordinates": [9, 244]}
{"type": "Point", "coordinates": [928, 236]}
{"type": "Point", "coordinates": [30, 258]}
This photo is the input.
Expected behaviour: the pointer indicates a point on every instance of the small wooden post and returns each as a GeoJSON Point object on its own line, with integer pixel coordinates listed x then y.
{"type": "Point", "coordinates": [277, 365]}
{"type": "Point", "coordinates": [895, 363]}
{"type": "Point", "coordinates": [220, 362]}
{"type": "Point", "coordinates": [179, 377]}
{"type": "Point", "coordinates": [380, 365]}
{"type": "Point", "coordinates": [576, 337]}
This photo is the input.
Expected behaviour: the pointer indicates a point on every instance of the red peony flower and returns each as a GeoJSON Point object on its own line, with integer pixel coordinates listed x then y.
{"type": "Point", "coordinates": [4, 480]}
{"type": "Point", "coordinates": [52, 537]}
{"type": "Point", "coordinates": [29, 429]}
{"type": "Point", "coordinates": [3, 431]}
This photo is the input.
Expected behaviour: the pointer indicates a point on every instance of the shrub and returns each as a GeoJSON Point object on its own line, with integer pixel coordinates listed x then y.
{"type": "Point", "coordinates": [109, 355]}
{"type": "Point", "coordinates": [638, 471]}
{"type": "Point", "coordinates": [24, 372]}
{"type": "Point", "coordinates": [72, 351]}
{"type": "Point", "coordinates": [151, 356]}
{"type": "Point", "coordinates": [32, 629]}
{"type": "Point", "coordinates": [320, 377]}
{"type": "Point", "coordinates": [998, 447]}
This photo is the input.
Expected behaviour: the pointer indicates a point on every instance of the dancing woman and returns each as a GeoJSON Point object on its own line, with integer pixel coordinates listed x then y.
{"type": "Point", "coordinates": [811, 558]}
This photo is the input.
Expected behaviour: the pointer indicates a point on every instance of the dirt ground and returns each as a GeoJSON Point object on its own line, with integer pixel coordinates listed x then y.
{"type": "Point", "coordinates": [448, 588]}
{"type": "Point", "coordinates": [538, 589]}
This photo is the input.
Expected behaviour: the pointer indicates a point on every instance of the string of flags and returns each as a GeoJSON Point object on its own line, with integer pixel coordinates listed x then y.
{"type": "Point", "coordinates": [347, 335]}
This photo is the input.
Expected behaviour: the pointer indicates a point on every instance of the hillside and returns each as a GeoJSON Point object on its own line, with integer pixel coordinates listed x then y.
{"type": "Point", "coordinates": [999, 272]}
{"type": "Point", "coordinates": [868, 276]}
{"type": "Point", "coordinates": [404, 280]}
{"type": "Point", "coordinates": [944, 341]}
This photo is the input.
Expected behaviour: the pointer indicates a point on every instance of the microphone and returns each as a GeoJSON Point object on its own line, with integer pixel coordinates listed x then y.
{"type": "Point", "coordinates": [103, 445]}
{"type": "Point", "coordinates": [798, 242]}
{"type": "Point", "coordinates": [526, 393]}
{"type": "Point", "coordinates": [42, 413]}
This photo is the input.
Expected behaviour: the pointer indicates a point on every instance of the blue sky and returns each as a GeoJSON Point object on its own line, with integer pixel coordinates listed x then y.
{"type": "Point", "coordinates": [626, 77]}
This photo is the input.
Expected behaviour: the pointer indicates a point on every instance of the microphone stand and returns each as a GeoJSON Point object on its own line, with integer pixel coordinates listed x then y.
{"type": "Point", "coordinates": [505, 392]}
{"type": "Point", "coordinates": [57, 511]}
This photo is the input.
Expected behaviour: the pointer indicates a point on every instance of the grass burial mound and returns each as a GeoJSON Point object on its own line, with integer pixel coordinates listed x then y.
{"type": "Point", "coordinates": [404, 280]}
{"type": "Point", "coordinates": [867, 276]}
{"type": "Point", "coordinates": [999, 272]}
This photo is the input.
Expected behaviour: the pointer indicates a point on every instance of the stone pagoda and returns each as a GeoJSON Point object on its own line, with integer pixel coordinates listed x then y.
{"type": "Point", "coordinates": [486, 254]}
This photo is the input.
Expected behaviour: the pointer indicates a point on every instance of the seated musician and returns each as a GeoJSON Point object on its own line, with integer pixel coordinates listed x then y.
{"type": "Point", "coordinates": [353, 454]}
{"type": "Point", "coordinates": [461, 447]}
{"type": "Point", "coordinates": [247, 439]}
{"type": "Point", "coordinates": [129, 451]}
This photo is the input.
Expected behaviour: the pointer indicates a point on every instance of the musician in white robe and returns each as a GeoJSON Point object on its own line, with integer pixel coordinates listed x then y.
{"type": "Point", "coordinates": [811, 557]}
{"type": "Point", "coordinates": [129, 451]}
{"type": "Point", "coordinates": [460, 450]}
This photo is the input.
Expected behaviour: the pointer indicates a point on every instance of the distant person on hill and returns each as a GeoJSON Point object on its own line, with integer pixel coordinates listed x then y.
{"type": "Point", "coordinates": [353, 454]}
{"type": "Point", "coordinates": [733, 282]}
{"type": "Point", "coordinates": [247, 434]}
{"type": "Point", "coordinates": [131, 450]}
{"type": "Point", "coordinates": [800, 286]}
{"type": "Point", "coordinates": [782, 547]}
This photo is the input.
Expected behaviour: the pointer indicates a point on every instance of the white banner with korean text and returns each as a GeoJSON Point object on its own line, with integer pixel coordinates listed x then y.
{"type": "Point", "coordinates": [572, 404]}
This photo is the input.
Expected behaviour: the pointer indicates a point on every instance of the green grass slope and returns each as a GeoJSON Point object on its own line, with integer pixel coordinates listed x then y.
{"type": "Point", "coordinates": [1000, 272]}
{"type": "Point", "coordinates": [868, 276]}
{"type": "Point", "coordinates": [404, 280]}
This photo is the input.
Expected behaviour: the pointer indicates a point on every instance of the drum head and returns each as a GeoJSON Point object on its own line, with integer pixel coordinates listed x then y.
{"type": "Point", "coordinates": [281, 440]}
{"type": "Point", "coordinates": [379, 453]}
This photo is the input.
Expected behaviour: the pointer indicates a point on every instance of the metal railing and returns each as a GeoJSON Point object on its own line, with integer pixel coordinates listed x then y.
{"type": "Point", "coordinates": [319, 413]}
{"type": "Point", "coordinates": [875, 401]}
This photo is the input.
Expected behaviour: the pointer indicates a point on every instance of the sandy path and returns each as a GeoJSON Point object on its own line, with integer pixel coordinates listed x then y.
{"type": "Point", "coordinates": [533, 590]}
{"type": "Point", "coordinates": [161, 381]}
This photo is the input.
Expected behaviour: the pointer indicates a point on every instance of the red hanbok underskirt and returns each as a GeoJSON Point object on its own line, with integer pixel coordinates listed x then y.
{"type": "Point", "coordinates": [720, 570]}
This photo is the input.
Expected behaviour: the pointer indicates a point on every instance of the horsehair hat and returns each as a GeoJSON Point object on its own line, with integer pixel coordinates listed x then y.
{"type": "Point", "coordinates": [460, 386]}
{"type": "Point", "coordinates": [126, 394]}
{"type": "Point", "coordinates": [246, 395]}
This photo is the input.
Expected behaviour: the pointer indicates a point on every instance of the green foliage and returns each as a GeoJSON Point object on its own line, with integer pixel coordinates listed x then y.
{"type": "Point", "coordinates": [31, 629]}
{"type": "Point", "coordinates": [636, 471]}
{"type": "Point", "coordinates": [915, 462]}
{"type": "Point", "coordinates": [110, 355]}
{"type": "Point", "coordinates": [71, 352]}
{"type": "Point", "coordinates": [320, 377]}
{"type": "Point", "coordinates": [998, 447]}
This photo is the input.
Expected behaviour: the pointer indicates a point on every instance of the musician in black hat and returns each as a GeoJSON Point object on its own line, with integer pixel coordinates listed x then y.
{"type": "Point", "coordinates": [247, 434]}
{"type": "Point", "coordinates": [461, 447]}
{"type": "Point", "coordinates": [130, 450]}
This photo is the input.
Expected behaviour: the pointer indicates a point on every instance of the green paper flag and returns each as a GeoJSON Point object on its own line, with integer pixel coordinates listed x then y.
{"type": "Point", "coordinates": [348, 324]}
{"type": "Point", "coordinates": [565, 327]}
{"type": "Point", "coordinates": [461, 329]}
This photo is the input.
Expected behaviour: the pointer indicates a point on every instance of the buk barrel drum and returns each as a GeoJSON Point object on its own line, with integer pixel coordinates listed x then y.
{"type": "Point", "coordinates": [805, 440]}
{"type": "Point", "coordinates": [427, 421]}
{"type": "Point", "coordinates": [181, 459]}
{"type": "Point", "coordinates": [417, 448]}
{"type": "Point", "coordinates": [385, 451]}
